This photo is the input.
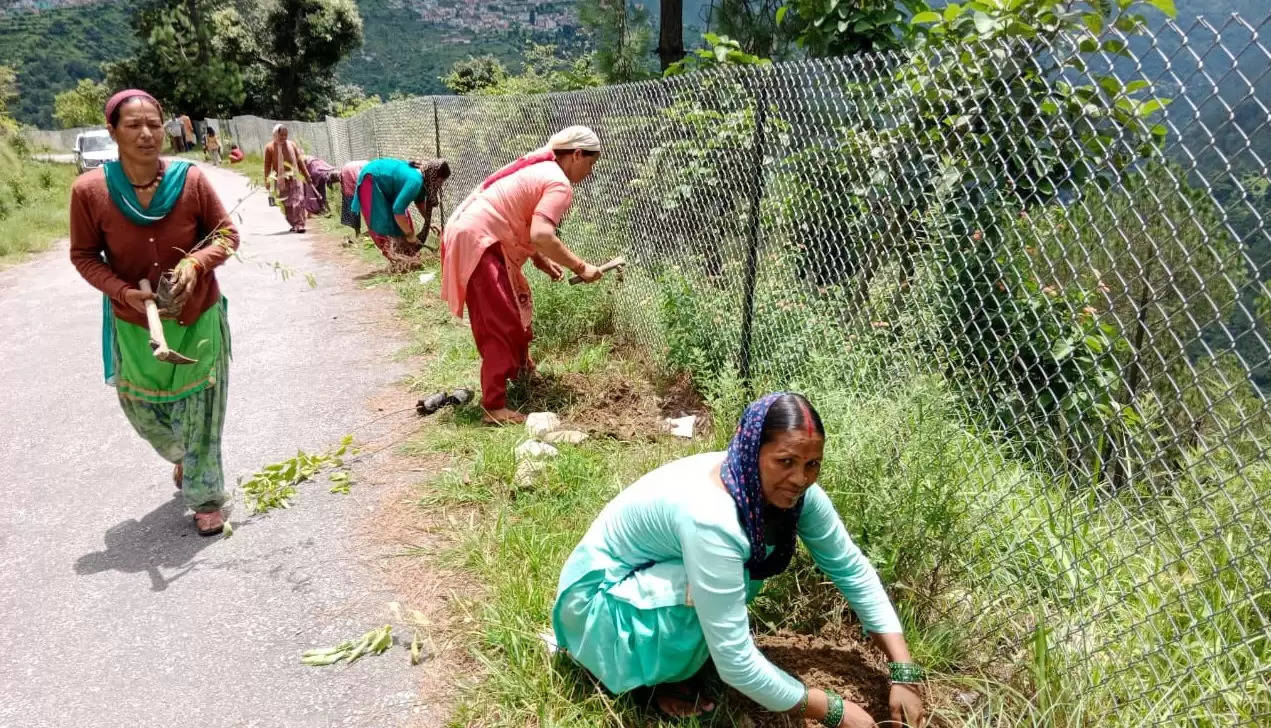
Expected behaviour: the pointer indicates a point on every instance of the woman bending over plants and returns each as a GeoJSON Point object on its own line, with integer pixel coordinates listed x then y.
{"type": "Point", "coordinates": [660, 582]}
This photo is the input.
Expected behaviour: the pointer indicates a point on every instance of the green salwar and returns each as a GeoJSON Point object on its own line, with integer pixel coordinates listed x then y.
{"type": "Point", "coordinates": [186, 429]}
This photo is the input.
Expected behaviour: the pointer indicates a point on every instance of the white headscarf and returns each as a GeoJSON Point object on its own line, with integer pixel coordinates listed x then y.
{"type": "Point", "coordinates": [575, 137]}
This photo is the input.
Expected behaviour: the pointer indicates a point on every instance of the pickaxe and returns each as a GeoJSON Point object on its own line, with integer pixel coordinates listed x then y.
{"type": "Point", "coordinates": [157, 341]}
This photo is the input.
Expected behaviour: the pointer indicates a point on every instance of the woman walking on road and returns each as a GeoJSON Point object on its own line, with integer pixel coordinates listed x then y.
{"type": "Point", "coordinates": [285, 165]}
{"type": "Point", "coordinates": [212, 145]}
{"type": "Point", "coordinates": [511, 218]}
{"type": "Point", "coordinates": [134, 220]}
{"type": "Point", "coordinates": [187, 128]}
{"type": "Point", "coordinates": [386, 188]}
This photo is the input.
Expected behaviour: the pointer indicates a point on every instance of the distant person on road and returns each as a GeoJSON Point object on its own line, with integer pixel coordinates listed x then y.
{"type": "Point", "coordinates": [235, 154]}
{"type": "Point", "coordinates": [141, 218]}
{"type": "Point", "coordinates": [348, 192]}
{"type": "Point", "coordinates": [660, 583]}
{"type": "Point", "coordinates": [285, 167]}
{"type": "Point", "coordinates": [511, 218]}
{"type": "Point", "coordinates": [187, 129]}
{"type": "Point", "coordinates": [176, 135]}
{"type": "Point", "coordinates": [386, 189]}
{"type": "Point", "coordinates": [212, 145]}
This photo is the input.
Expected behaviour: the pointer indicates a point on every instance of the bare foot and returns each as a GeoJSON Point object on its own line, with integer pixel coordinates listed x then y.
{"type": "Point", "coordinates": [503, 416]}
{"type": "Point", "coordinates": [681, 700]}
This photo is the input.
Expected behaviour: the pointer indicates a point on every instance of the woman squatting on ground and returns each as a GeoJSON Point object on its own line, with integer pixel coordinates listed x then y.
{"type": "Point", "coordinates": [661, 581]}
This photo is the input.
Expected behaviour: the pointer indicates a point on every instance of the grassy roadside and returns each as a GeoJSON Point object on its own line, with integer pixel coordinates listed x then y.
{"type": "Point", "coordinates": [981, 550]}
{"type": "Point", "coordinates": [520, 534]}
{"type": "Point", "coordinates": [33, 204]}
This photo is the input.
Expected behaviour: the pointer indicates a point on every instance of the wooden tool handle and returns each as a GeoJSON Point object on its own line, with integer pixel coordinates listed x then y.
{"type": "Point", "coordinates": [152, 316]}
{"type": "Point", "coordinates": [615, 263]}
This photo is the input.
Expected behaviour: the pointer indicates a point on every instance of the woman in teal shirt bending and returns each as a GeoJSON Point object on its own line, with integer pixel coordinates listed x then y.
{"type": "Point", "coordinates": [660, 582]}
{"type": "Point", "coordinates": [386, 188]}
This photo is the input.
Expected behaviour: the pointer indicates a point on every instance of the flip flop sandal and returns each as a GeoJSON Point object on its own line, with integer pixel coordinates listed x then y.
{"type": "Point", "coordinates": [209, 524]}
{"type": "Point", "coordinates": [685, 694]}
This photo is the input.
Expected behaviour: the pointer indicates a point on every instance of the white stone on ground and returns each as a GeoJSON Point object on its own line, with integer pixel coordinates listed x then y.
{"type": "Point", "coordinates": [682, 426]}
{"type": "Point", "coordinates": [535, 450]}
{"type": "Point", "coordinates": [571, 437]}
{"type": "Point", "coordinates": [541, 423]}
{"type": "Point", "coordinates": [527, 471]}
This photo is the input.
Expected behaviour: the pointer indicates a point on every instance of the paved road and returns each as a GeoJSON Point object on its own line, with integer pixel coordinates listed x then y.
{"type": "Point", "coordinates": [112, 611]}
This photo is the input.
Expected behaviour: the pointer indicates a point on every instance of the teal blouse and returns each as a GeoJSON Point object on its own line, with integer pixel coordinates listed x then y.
{"type": "Point", "coordinates": [396, 186]}
{"type": "Point", "coordinates": [677, 514]}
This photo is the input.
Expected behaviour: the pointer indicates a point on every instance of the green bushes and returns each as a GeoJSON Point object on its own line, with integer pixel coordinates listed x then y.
{"type": "Point", "coordinates": [34, 199]}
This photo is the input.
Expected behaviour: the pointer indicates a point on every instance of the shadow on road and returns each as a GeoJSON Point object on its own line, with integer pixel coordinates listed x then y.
{"type": "Point", "coordinates": [163, 540]}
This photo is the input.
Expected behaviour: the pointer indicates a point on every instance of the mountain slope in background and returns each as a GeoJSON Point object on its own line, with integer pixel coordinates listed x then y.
{"type": "Point", "coordinates": [53, 49]}
{"type": "Point", "coordinates": [408, 46]}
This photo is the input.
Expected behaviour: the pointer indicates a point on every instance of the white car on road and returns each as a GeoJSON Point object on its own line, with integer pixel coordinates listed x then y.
{"type": "Point", "coordinates": [93, 149]}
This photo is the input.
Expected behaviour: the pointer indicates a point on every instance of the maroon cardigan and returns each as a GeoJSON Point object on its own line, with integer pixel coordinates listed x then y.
{"type": "Point", "coordinates": [133, 252]}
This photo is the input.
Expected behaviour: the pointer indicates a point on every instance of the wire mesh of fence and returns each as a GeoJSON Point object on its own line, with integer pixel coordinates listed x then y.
{"type": "Point", "coordinates": [1040, 270]}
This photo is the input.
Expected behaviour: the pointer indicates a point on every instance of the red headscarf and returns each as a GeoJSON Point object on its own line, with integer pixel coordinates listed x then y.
{"type": "Point", "coordinates": [130, 93]}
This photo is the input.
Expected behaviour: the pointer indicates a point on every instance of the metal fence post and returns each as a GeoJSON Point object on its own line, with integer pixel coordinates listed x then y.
{"type": "Point", "coordinates": [752, 238]}
{"type": "Point", "coordinates": [436, 129]}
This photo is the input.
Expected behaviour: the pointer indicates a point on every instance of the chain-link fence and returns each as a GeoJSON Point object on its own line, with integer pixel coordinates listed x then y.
{"type": "Point", "coordinates": [1044, 265]}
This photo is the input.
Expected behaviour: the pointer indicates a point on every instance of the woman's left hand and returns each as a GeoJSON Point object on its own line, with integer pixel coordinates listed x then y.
{"type": "Point", "coordinates": [906, 706]}
{"type": "Point", "coordinates": [184, 279]}
{"type": "Point", "coordinates": [550, 267]}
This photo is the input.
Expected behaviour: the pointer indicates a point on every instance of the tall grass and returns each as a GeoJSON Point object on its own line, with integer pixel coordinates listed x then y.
{"type": "Point", "coordinates": [34, 203]}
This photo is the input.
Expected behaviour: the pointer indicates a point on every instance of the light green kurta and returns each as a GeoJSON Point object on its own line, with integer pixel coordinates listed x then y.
{"type": "Point", "coordinates": [657, 585]}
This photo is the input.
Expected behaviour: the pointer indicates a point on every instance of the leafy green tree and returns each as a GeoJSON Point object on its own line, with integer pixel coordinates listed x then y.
{"type": "Point", "coordinates": [351, 100]}
{"type": "Point", "coordinates": [624, 37]}
{"type": "Point", "coordinates": [206, 57]}
{"type": "Point", "coordinates": [82, 105]}
{"type": "Point", "coordinates": [8, 92]}
{"type": "Point", "coordinates": [719, 51]}
{"type": "Point", "coordinates": [834, 28]}
{"type": "Point", "coordinates": [753, 24]}
{"type": "Point", "coordinates": [475, 73]}
{"type": "Point", "coordinates": [546, 71]}
{"type": "Point", "coordinates": [304, 42]}
{"type": "Point", "coordinates": [180, 58]}
{"type": "Point", "coordinates": [8, 88]}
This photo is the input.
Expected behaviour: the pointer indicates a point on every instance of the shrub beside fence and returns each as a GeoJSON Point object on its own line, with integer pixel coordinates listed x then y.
{"type": "Point", "coordinates": [1026, 282]}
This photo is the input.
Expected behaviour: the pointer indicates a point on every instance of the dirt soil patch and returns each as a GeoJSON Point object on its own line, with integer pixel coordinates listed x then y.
{"type": "Point", "coordinates": [610, 404]}
{"type": "Point", "coordinates": [848, 666]}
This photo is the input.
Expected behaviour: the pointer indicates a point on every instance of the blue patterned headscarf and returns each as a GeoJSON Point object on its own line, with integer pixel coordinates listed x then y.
{"type": "Point", "coordinates": [740, 473]}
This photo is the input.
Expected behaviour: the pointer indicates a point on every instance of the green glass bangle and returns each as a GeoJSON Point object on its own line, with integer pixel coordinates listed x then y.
{"type": "Point", "coordinates": [906, 672]}
{"type": "Point", "coordinates": [833, 710]}
{"type": "Point", "coordinates": [803, 704]}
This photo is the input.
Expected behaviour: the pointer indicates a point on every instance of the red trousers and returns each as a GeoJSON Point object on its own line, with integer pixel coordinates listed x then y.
{"type": "Point", "coordinates": [390, 245]}
{"type": "Point", "coordinates": [504, 345]}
